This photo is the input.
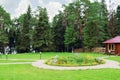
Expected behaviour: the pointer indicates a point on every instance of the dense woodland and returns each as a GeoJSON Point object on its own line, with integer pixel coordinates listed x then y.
{"type": "Point", "coordinates": [82, 24]}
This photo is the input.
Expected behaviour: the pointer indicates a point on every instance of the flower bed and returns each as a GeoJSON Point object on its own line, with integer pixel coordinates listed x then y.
{"type": "Point", "coordinates": [74, 61]}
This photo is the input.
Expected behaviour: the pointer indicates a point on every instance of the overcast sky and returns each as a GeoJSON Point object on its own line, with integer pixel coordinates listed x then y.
{"type": "Point", "coordinates": [17, 7]}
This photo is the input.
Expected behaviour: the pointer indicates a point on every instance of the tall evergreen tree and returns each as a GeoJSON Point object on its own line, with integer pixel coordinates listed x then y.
{"type": "Point", "coordinates": [58, 29]}
{"type": "Point", "coordinates": [3, 40]}
{"type": "Point", "coordinates": [94, 31]}
{"type": "Point", "coordinates": [112, 19]}
{"type": "Point", "coordinates": [25, 41]}
{"type": "Point", "coordinates": [111, 25]}
{"type": "Point", "coordinates": [5, 21]}
{"type": "Point", "coordinates": [70, 38]}
{"type": "Point", "coordinates": [42, 37]}
{"type": "Point", "coordinates": [117, 25]}
{"type": "Point", "coordinates": [76, 16]}
{"type": "Point", "coordinates": [18, 27]}
{"type": "Point", "coordinates": [104, 19]}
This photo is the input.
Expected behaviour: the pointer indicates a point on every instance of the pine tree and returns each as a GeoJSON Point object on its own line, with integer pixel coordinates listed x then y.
{"type": "Point", "coordinates": [112, 20]}
{"type": "Point", "coordinates": [104, 20]}
{"type": "Point", "coordinates": [70, 38]}
{"type": "Point", "coordinates": [25, 41]}
{"type": "Point", "coordinates": [76, 16]}
{"type": "Point", "coordinates": [5, 21]}
{"type": "Point", "coordinates": [58, 29]}
{"type": "Point", "coordinates": [18, 26]}
{"type": "Point", "coordinates": [94, 31]}
{"type": "Point", "coordinates": [117, 27]}
{"type": "Point", "coordinates": [3, 40]}
{"type": "Point", "coordinates": [42, 37]}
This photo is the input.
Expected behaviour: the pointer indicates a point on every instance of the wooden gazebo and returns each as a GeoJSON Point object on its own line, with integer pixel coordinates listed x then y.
{"type": "Point", "coordinates": [113, 45]}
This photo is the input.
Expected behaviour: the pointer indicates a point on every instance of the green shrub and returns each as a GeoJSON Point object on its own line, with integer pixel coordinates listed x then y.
{"type": "Point", "coordinates": [79, 60]}
{"type": "Point", "coordinates": [74, 61]}
{"type": "Point", "coordinates": [99, 60]}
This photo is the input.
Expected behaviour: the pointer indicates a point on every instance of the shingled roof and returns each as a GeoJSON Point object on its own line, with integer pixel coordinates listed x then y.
{"type": "Point", "coordinates": [113, 40]}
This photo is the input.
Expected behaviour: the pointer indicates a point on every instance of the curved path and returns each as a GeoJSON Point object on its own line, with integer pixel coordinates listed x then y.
{"type": "Point", "coordinates": [40, 64]}
{"type": "Point", "coordinates": [108, 64]}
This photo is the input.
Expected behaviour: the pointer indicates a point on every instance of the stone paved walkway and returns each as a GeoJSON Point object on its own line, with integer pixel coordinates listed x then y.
{"type": "Point", "coordinates": [108, 64]}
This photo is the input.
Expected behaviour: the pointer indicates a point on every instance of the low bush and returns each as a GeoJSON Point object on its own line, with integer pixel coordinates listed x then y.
{"type": "Point", "coordinates": [74, 61]}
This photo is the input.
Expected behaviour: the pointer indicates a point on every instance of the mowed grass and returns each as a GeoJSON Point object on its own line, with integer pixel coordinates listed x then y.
{"type": "Point", "coordinates": [115, 58]}
{"type": "Point", "coordinates": [46, 55]}
{"type": "Point", "coordinates": [28, 72]}
{"type": "Point", "coordinates": [15, 60]}
{"type": "Point", "coordinates": [30, 57]}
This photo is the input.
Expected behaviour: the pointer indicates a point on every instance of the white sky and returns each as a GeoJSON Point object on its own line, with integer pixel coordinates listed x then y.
{"type": "Point", "coordinates": [17, 7]}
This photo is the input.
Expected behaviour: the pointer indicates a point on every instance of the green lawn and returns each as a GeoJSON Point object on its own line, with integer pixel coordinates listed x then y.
{"type": "Point", "coordinates": [115, 58]}
{"type": "Point", "coordinates": [45, 55]}
{"type": "Point", "coordinates": [28, 72]}
{"type": "Point", "coordinates": [11, 61]}
{"type": "Point", "coordinates": [29, 57]}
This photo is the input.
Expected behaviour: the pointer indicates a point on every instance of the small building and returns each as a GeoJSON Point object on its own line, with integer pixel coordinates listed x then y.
{"type": "Point", "coordinates": [113, 45]}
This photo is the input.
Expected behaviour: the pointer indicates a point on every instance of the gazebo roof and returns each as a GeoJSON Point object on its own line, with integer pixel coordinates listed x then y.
{"type": "Point", "coordinates": [113, 40]}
